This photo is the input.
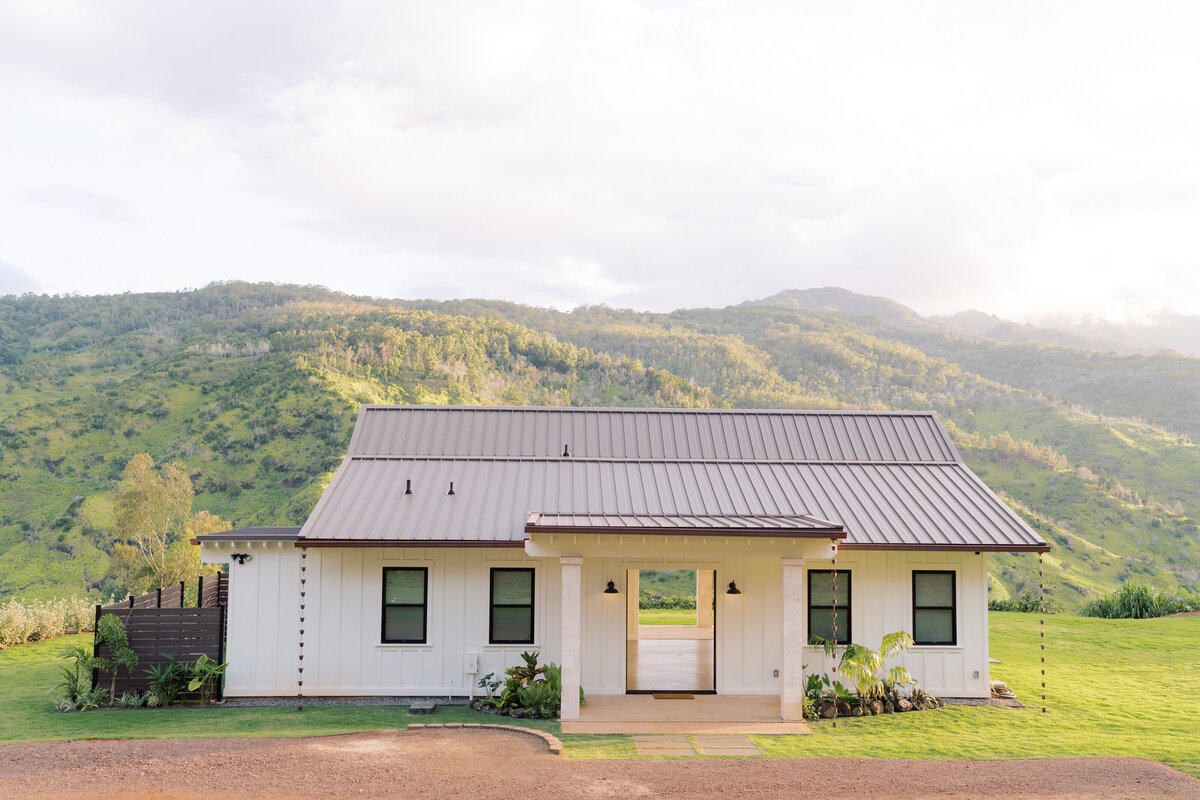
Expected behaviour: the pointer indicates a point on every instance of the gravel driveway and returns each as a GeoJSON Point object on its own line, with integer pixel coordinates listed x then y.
{"type": "Point", "coordinates": [496, 764]}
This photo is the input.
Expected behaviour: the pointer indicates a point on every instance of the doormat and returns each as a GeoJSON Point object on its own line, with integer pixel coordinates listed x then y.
{"type": "Point", "coordinates": [677, 696]}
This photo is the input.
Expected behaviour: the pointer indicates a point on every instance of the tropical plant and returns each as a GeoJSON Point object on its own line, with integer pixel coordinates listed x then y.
{"type": "Point", "coordinates": [76, 684]}
{"type": "Point", "coordinates": [1135, 601]}
{"type": "Point", "coordinates": [131, 700]}
{"type": "Point", "coordinates": [205, 673]}
{"type": "Point", "coordinates": [168, 682]}
{"type": "Point", "coordinates": [110, 632]}
{"type": "Point", "coordinates": [541, 697]}
{"type": "Point", "coordinates": [529, 672]}
{"type": "Point", "coordinates": [864, 667]}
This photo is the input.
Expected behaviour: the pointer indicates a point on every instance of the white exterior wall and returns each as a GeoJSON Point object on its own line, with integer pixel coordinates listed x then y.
{"type": "Point", "coordinates": [881, 601]}
{"type": "Point", "coordinates": [342, 647]}
{"type": "Point", "coordinates": [345, 657]}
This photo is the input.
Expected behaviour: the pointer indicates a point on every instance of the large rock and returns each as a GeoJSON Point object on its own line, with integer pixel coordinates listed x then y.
{"type": "Point", "coordinates": [843, 708]}
{"type": "Point", "coordinates": [941, 702]}
{"type": "Point", "coordinates": [826, 709]}
{"type": "Point", "coordinates": [889, 706]}
{"type": "Point", "coordinates": [903, 705]}
{"type": "Point", "coordinates": [856, 711]}
{"type": "Point", "coordinates": [876, 706]}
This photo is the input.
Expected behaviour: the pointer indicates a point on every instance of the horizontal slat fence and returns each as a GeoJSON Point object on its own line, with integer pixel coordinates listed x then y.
{"type": "Point", "coordinates": [161, 623]}
{"type": "Point", "coordinates": [211, 591]}
{"type": "Point", "coordinates": [183, 633]}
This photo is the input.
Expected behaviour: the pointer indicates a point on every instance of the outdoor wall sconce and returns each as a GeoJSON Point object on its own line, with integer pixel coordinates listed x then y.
{"type": "Point", "coordinates": [241, 558]}
{"type": "Point", "coordinates": [612, 588]}
{"type": "Point", "coordinates": [733, 589]}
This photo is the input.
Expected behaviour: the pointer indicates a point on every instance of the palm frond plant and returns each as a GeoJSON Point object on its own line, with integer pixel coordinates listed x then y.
{"type": "Point", "coordinates": [110, 631]}
{"type": "Point", "coordinates": [864, 667]}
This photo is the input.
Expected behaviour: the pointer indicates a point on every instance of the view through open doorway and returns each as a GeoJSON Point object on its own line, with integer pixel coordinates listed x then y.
{"type": "Point", "coordinates": [671, 631]}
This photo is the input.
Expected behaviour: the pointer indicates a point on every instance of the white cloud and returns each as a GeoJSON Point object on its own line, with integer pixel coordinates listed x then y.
{"type": "Point", "coordinates": [1021, 158]}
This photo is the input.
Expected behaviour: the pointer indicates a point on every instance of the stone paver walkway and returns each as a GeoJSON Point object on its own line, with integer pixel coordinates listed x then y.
{"type": "Point", "coordinates": [698, 744]}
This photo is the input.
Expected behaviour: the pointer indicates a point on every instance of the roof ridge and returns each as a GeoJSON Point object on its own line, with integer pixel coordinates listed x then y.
{"type": "Point", "coordinates": [845, 412]}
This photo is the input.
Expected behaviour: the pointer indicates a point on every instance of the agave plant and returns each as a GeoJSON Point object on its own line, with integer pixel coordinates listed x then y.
{"type": "Point", "coordinates": [864, 667]}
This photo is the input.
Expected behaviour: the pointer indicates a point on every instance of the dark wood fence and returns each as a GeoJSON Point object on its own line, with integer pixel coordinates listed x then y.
{"type": "Point", "coordinates": [155, 633]}
{"type": "Point", "coordinates": [161, 624]}
{"type": "Point", "coordinates": [211, 591]}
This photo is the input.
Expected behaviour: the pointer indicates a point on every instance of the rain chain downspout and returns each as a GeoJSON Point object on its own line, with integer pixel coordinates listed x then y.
{"type": "Point", "coordinates": [835, 636]}
{"type": "Point", "coordinates": [1042, 623]}
{"type": "Point", "coordinates": [300, 663]}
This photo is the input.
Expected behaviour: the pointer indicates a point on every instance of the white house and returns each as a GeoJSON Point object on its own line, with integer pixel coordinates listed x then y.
{"type": "Point", "coordinates": [451, 539]}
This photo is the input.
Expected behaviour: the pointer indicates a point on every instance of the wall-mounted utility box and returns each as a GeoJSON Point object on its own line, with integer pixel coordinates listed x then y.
{"type": "Point", "coordinates": [472, 663]}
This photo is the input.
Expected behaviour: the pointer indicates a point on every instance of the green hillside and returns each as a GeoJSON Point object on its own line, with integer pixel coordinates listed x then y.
{"type": "Point", "coordinates": [255, 388]}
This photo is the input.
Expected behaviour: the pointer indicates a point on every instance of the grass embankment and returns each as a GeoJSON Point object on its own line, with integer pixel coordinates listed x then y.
{"type": "Point", "coordinates": [1116, 688]}
{"type": "Point", "coordinates": [666, 616]}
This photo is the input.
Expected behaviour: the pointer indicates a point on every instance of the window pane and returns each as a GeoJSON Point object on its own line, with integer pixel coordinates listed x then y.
{"type": "Point", "coordinates": [934, 589]}
{"type": "Point", "coordinates": [820, 623]}
{"type": "Point", "coordinates": [404, 586]}
{"type": "Point", "coordinates": [934, 626]}
{"type": "Point", "coordinates": [512, 624]}
{"type": "Point", "coordinates": [404, 624]}
{"type": "Point", "coordinates": [821, 588]}
{"type": "Point", "coordinates": [512, 588]}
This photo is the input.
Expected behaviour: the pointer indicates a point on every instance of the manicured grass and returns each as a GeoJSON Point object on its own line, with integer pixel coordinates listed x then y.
{"type": "Point", "coordinates": [26, 710]}
{"type": "Point", "coordinates": [666, 616]}
{"type": "Point", "coordinates": [1115, 688]}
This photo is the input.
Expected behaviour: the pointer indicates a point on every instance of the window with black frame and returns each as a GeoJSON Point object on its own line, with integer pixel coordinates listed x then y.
{"type": "Point", "coordinates": [934, 612]}
{"type": "Point", "coordinates": [821, 605]}
{"type": "Point", "coordinates": [405, 594]}
{"type": "Point", "coordinates": [511, 612]}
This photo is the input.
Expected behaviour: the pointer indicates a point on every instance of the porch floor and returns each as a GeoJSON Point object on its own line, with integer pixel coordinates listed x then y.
{"type": "Point", "coordinates": [669, 665]}
{"type": "Point", "coordinates": [710, 714]}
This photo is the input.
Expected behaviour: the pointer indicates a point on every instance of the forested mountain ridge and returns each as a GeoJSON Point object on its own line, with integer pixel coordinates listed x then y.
{"type": "Point", "coordinates": [255, 388]}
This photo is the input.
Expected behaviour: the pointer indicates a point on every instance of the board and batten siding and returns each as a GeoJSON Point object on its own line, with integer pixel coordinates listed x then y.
{"type": "Point", "coordinates": [343, 652]}
{"type": "Point", "coordinates": [881, 599]}
{"type": "Point", "coordinates": [344, 655]}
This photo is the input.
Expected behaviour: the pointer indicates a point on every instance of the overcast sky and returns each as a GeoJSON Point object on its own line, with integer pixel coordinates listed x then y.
{"type": "Point", "coordinates": [1020, 158]}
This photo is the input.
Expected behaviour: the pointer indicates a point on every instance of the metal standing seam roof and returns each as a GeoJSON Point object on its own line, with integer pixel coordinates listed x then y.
{"type": "Point", "coordinates": [257, 534]}
{"type": "Point", "coordinates": [881, 479]}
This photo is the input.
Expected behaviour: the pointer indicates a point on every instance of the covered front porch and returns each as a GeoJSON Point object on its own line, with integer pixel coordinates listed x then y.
{"type": "Point", "coordinates": [760, 628]}
{"type": "Point", "coordinates": [701, 713]}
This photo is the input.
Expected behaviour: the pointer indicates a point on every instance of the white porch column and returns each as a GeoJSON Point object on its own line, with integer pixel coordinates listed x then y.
{"type": "Point", "coordinates": [795, 634]}
{"type": "Point", "coordinates": [572, 618]}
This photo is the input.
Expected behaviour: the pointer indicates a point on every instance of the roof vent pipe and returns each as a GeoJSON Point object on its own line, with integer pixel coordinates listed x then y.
{"type": "Point", "coordinates": [451, 488]}
{"type": "Point", "coordinates": [566, 452]}
{"type": "Point", "coordinates": [408, 486]}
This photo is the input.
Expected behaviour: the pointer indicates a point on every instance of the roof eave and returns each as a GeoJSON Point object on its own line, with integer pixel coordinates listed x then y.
{"type": "Point", "coordinates": [789, 533]}
{"type": "Point", "coordinates": [1031, 547]}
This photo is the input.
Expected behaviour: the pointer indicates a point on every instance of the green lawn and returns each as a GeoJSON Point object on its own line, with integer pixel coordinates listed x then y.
{"type": "Point", "coordinates": [666, 616]}
{"type": "Point", "coordinates": [1116, 688]}
{"type": "Point", "coordinates": [26, 713]}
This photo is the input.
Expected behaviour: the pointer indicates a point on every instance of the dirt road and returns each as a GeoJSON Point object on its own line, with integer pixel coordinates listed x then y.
{"type": "Point", "coordinates": [506, 766]}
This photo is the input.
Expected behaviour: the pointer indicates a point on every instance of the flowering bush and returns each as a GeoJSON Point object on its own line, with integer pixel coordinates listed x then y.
{"type": "Point", "coordinates": [35, 620]}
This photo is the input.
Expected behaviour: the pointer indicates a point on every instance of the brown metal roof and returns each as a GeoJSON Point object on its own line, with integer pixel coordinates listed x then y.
{"type": "Point", "coordinates": [888, 479]}
{"type": "Point", "coordinates": [260, 534]}
{"type": "Point", "coordinates": [643, 434]}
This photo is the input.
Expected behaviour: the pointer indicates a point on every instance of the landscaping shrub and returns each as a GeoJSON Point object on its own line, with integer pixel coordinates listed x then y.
{"type": "Point", "coordinates": [1026, 602]}
{"type": "Point", "coordinates": [33, 621]}
{"type": "Point", "coordinates": [1135, 601]}
{"type": "Point", "coordinates": [650, 600]}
